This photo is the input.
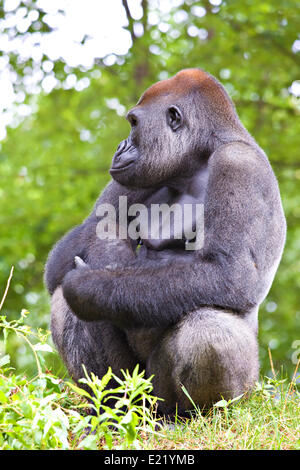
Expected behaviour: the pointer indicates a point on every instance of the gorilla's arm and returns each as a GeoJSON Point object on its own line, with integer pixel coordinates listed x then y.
{"type": "Point", "coordinates": [243, 239]}
{"type": "Point", "coordinates": [61, 258]}
{"type": "Point", "coordinates": [83, 241]}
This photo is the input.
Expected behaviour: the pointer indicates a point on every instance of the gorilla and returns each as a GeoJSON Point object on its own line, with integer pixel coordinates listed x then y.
{"type": "Point", "coordinates": [190, 317]}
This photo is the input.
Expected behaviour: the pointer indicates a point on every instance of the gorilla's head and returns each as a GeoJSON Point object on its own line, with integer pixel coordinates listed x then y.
{"type": "Point", "coordinates": [174, 126]}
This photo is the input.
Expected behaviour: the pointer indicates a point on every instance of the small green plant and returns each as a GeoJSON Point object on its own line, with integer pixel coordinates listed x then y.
{"type": "Point", "coordinates": [26, 333]}
{"type": "Point", "coordinates": [118, 425]}
{"type": "Point", "coordinates": [32, 415]}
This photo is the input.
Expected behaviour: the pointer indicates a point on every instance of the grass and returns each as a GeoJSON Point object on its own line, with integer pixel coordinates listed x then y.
{"type": "Point", "coordinates": [269, 419]}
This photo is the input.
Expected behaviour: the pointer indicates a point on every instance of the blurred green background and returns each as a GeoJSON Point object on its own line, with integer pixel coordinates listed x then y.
{"type": "Point", "coordinates": [69, 70]}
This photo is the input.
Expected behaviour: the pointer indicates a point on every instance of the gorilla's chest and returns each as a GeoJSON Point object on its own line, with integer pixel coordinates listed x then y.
{"type": "Point", "coordinates": [173, 218]}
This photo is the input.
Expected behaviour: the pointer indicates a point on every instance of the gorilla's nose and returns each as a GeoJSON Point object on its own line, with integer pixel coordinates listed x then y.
{"type": "Point", "coordinates": [125, 155]}
{"type": "Point", "coordinates": [121, 147]}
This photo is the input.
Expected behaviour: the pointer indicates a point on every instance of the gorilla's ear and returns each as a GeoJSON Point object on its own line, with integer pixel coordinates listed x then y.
{"type": "Point", "coordinates": [174, 118]}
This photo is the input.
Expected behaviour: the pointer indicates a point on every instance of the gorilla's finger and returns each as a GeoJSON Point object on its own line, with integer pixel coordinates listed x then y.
{"type": "Point", "coordinates": [80, 263]}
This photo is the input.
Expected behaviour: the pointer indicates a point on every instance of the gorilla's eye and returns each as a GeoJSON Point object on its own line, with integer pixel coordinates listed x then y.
{"type": "Point", "coordinates": [174, 118]}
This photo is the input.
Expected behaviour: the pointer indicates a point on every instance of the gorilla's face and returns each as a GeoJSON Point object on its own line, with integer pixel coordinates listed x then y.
{"type": "Point", "coordinates": [176, 125]}
{"type": "Point", "coordinates": [146, 157]}
{"type": "Point", "coordinates": [163, 143]}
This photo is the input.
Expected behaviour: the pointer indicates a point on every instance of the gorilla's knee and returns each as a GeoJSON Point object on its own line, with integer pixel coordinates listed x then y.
{"type": "Point", "coordinates": [212, 353]}
{"type": "Point", "coordinates": [59, 312]}
{"type": "Point", "coordinates": [96, 345]}
{"type": "Point", "coordinates": [74, 339]}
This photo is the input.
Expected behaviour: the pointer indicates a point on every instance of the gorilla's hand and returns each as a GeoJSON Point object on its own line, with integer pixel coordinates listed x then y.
{"type": "Point", "coordinates": [83, 289]}
{"type": "Point", "coordinates": [80, 264]}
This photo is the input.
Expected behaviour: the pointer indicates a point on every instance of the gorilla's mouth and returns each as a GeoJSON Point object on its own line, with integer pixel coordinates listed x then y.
{"type": "Point", "coordinates": [119, 168]}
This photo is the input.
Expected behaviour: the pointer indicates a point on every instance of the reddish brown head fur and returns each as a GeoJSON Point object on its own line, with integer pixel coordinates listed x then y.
{"type": "Point", "coordinates": [183, 82]}
{"type": "Point", "coordinates": [186, 81]}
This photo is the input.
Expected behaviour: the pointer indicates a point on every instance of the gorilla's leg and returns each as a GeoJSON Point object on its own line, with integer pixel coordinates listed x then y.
{"type": "Point", "coordinates": [97, 345]}
{"type": "Point", "coordinates": [212, 353]}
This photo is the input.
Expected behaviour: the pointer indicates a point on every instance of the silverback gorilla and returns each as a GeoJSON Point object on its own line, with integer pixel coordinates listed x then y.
{"type": "Point", "coordinates": [188, 317]}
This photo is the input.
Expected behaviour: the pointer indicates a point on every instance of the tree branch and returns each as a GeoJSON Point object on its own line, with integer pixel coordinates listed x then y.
{"type": "Point", "coordinates": [130, 20]}
{"type": "Point", "coordinates": [145, 14]}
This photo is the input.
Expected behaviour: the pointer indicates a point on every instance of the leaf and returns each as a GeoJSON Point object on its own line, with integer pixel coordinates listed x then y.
{"type": "Point", "coordinates": [3, 397]}
{"type": "Point", "coordinates": [79, 390]}
{"type": "Point", "coordinates": [89, 443]}
{"type": "Point", "coordinates": [4, 360]}
{"type": "Point", "coordinates": [237, 398]}
{"type": "Point", "coordinates": [221, 404]}
{"type": "Point", "coordinates": [42, 347]}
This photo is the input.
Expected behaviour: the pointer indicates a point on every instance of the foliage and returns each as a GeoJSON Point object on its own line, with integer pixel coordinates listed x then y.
{"type": "Point", "coordinates": [30, 413]}
{"type": "Point", "coordinates": [36, 413]}
{"type": "Point", "coordinates": [132, 411]}
{"type": "Point", "coordinates": [54, 162]}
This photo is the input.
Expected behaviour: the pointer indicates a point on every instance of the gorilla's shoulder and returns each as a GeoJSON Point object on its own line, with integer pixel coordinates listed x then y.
{"type": "Point", "coordinates": [239, 156]}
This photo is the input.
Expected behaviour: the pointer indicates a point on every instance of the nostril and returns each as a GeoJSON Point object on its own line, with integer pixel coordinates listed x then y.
{"type": "Point", "coordinates": [132, 119]}
{"type": "Point", "coordinates": [121, 147]}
